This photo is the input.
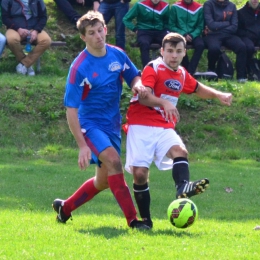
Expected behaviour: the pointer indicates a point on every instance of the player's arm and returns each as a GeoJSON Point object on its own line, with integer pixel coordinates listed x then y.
{"type": "Point", "coordinates": [137, 87]}
{"type": "Point", "coordinates": [206, 92]}
{"type": "Point", "coordinates": [151, 100]}
{"type": "Point", "coordinates": [84, 150]}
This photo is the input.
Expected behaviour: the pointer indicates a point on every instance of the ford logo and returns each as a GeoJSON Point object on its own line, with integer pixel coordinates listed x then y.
{"type": "Point", "coordinates": [173, 84]}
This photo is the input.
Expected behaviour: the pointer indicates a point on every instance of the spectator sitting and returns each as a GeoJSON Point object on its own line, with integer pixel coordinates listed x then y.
{"type": "Point", "coordinates": [249, 28]}
{"type": "Point", "coordinates": [152, 17]}
{"type": "Point", "coordinates": [2, 38]}
{"type": "Point", "coordinates": [118, 9]}
{"type": "Point", "coordinates": [66, 7]}
{"type": "Point", "coordinates": [221, 22]}
{"type": "Point", "coordinates": [23, 18]}
{"type": "Point", "coordinates": [186, 18]}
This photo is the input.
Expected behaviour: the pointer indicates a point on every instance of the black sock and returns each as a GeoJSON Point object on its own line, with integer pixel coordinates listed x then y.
{"type": "Point", "coordinates": [142, 198]}
{"type": "Point", "coordinates": [180, 171]}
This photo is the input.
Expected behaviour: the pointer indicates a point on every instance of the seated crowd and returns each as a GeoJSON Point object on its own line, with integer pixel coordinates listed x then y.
{"type": "Point", "coordinates": [210, 26]}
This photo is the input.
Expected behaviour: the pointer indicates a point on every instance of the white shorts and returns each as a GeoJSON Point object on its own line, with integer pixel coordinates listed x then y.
{"type": "Point", "coordinates": [145, 144]}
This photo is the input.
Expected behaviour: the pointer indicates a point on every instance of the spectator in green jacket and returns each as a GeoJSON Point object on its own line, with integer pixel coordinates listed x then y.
{"type": "Point", "coordinates": [151, 24]}
{"type": "Point", "coordinates": [186, 18]}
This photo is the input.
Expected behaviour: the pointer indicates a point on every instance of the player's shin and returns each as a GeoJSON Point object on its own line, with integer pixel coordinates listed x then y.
{"type": "Point", "coordinates": [142, 198]}
{"type": "Point", "coordinates": [122, 194]}
{"type": "Point", "coordinates": [180, 171]}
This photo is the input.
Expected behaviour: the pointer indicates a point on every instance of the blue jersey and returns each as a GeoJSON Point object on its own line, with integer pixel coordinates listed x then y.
{"type": "Point", "coordinates": [94, 86]}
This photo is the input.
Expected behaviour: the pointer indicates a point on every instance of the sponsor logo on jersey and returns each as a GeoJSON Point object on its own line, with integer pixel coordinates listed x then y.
{"type": "Point", "coordinates": [114, 66]}
{"type": "Point", "coordinates": [173, 84]}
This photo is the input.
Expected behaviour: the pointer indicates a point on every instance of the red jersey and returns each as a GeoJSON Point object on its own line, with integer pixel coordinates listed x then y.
{"type": "Point", "coordinates": [165, 83]}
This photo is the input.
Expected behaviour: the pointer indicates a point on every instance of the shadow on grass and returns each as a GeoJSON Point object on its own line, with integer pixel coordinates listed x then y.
{"type": "Point", "coordinates": [110, 232]}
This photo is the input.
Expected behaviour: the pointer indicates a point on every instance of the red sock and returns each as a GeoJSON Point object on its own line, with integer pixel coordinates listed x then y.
{"type": "Point", "coordinates": [122, 194]}
{"type": "Point", "coordinates": [84, 193]}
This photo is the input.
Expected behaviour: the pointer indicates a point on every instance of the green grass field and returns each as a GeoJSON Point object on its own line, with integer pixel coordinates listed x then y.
{"type": "Point", "coordinates": [224, 230]}
{"type": "Point", "coordinates": [38, 163]}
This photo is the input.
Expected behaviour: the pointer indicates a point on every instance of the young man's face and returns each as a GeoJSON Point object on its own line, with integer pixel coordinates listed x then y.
{"type": "Point", "coordinates": [95, 36]}
{"type": "Point", "coordinates": [172, 56]}
{"type": "Point", "coordinates": [254, 3]}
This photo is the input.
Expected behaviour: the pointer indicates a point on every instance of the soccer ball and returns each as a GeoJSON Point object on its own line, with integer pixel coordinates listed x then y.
{"type": "Point", "coordinates": [182, 213]}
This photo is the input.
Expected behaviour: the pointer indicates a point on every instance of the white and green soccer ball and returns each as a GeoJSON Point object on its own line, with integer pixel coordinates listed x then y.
{"type": "Point", "coordinates": [182, 213]}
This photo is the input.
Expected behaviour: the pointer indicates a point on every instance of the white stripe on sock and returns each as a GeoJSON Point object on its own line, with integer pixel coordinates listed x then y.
{"type": "Point", "coordinates": [180, 162]}
{"type": "Point", "coordinates": [141, 190]}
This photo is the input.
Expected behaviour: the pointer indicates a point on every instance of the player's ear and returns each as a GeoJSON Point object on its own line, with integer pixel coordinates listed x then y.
{"type": "Point", "coordinates": [162, 51]}
{"type": "Point", "coordinates": [82, 37]}
{"type": "Point", "coordinates": [105, 30]}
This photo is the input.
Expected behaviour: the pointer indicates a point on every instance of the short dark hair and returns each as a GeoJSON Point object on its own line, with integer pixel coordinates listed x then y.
{"type": "Point", "coordinates": [90, 18]}
{"type": "Point", "coordinates": [173, 39]}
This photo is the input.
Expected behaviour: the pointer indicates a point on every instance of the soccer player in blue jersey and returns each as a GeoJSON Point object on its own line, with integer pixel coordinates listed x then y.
{"type": "Point", "coordinates": [92, 99]}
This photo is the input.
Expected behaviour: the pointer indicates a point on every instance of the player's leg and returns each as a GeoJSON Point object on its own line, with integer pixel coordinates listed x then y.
{"type": "Point", "coordinates": [118, 186]}
{"type": "Point", "coordinates": [142, 193]}
{"type": "Point", "coordinates": [140, 146]}
{"type": "Point", "coordinates": [181, 174]}
{"type": "Point", "coordinates": [83, 194]}
{"type": "Point", "coordinates": [172, 154]}
{"type": "Point", "coordinates": [97, 141]}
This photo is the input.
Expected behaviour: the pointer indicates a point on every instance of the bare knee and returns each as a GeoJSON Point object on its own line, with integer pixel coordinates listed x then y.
{"type": "Point", "coordinates": [177, 151]}
{"type": "Point", "coordinates": [100, 180]}
{"type": "Point", "coordinates": [140, 175]}
{"type": "Point", "coordinates": [114, 166]}
{"type": "Point", "coordinates": [111, 159]}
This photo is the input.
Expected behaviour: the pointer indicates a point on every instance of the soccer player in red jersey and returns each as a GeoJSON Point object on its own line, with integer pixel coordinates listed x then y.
{"type": "Point", "coordinates": [151, 121]}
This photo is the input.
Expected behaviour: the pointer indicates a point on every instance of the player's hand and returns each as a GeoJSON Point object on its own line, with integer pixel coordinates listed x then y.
{"type": "Point", "coordinates": [140, 89]}
{"type": "Point", "coordinates": [225, 98]}
{"type": "Point", "coordinates": [171, 112]}
{"type": "Point", "coordinates": [84, 157]}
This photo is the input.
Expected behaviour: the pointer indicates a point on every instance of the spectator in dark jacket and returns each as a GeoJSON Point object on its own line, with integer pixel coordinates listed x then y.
{"type": "Point", "coordinates": [249, 28]}
{"type": "Point", "coordinates": [23, 18]}
{"type": "Point", "coordinates": [116, 9]}
{"type": "Point", "coordinates": [66, 6]}
{"type": "Point", "coordinates": [221, 26]}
